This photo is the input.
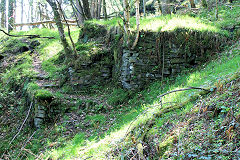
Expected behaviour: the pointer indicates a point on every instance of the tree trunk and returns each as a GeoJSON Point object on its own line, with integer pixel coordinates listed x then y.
{"type": "Point", "coordinates": [41, 13]}
{"type": "Point", "coordinates": [137, 23]}
{"type": "Point", "coordinates": [192, 4]}
{"type": "Point", "coordinates": [47, 16]}
{"type": "Point", "coordinates": [144, 8]}
{"type": "Point", "coordinates": [80, 12]}
{"type": "Point", "coordinates": [29, 13]}
{"type": "Point", "coordinates": [22, 4]}
{"type": "Point", "coordinates": [105, 10]}
{"type": "Point", "coordinates": [126, 22]}
{"type": "Point", "coordinates": [93, 8]}
{"type": "Point", "coordinates": [204, 3]}
{"type": "Point", "coordinates": [7, 11]}
{"type": "Point", "coordinates": [216, 9]}
{"type": "Point", "coordinates": [165, 7]}
{"type": "Point", "coordinates": [99, 9]}
{"type": "Point", "coordinates": [66, 46]}
{"type": "Point", "coordinates": [86, 9]}
{"type": "Point", "coordinates": [3, 13]}
{"type": "Point", "coordinates": [11, 15]}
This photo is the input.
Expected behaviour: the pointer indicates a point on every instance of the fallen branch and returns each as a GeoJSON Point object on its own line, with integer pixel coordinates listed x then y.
{"type": "Point", "coordinates": [184, 89]}
{"type": "Point", "coordinates": [70, 22]}
{"type": "Point", "coordinates": [22, 123]}
{"type": "Point", "coordinates": [28, 36]}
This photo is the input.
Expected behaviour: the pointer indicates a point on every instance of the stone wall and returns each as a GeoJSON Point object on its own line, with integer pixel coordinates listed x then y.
{"type": "Point", "coordinates": [158, 54]}
{"type": "Point", "coordinates": [166, 54]}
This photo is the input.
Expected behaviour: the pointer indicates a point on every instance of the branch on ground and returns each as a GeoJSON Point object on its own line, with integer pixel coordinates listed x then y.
{"type": "Point", "coordinates": [184, 89]}
{"type": "Point", "coordinates": [28, 36]}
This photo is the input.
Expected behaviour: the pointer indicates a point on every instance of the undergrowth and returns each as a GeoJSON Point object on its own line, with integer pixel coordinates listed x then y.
{"type": "Point", "coordinates": [97, 130]}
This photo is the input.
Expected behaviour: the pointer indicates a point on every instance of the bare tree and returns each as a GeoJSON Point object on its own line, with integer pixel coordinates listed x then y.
{"type": "Point", "coordinates": [164, 6]}
{"type": "Point", "coordinates": [67, 49]}
{"type": "Point", "coordinates": [137, 23]}
{"type": "Point", "coordinates": [3, 13]}
{"type": "Point", "coordinates": [86, 9]}
{"type": "Point", "coordinates": [22, 5]}
{"type": "Point", "coordinates": [11, 14]}
{"type": "Point", "coordinates": [192, 4]}
{"type": "Point", "coordinates": [99, 9]}
{"type": "Point", "coordinates": [204, 3]}
{"type": "Point", "coordinates": [104, 10]}
{"type": "Point", "coordinates": [126, 21]}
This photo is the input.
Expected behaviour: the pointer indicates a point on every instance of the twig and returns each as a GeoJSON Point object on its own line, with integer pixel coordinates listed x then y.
{"type": "Point", "coordinates": [28, 36]}
{"type": "Point", "coordinates": [22, 124]}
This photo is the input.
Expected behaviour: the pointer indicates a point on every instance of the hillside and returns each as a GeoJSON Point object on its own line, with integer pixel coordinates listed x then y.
{"type": "Point", "coordinates": [175, 96]}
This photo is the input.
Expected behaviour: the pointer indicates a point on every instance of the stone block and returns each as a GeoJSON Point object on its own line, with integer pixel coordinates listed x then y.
{"type": "Point", "coordinates": [149, 75]}
{"type": "Point", "coordinates": [177, 60]}
{"type": "Point", "coordinates": [126, 85]}
{"type": "Point", "coordinates": [166, 71]}
{"type": "Point", "coordinates": [105, 75]}
{"type": "Point", "coordinates": [132, 59]}
{"type": "Point", "coordinates": [40, 107]}
{"type": "Point", "coordinates": [38, 122]}
{"type": "Point", "coordinates": [158, 75]}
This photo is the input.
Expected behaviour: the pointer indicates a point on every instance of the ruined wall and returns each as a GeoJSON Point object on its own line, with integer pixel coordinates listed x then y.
{"type": "Point", "coordinates": [158, 54]}
{"type": "Point", "coordinates": [166, 54]}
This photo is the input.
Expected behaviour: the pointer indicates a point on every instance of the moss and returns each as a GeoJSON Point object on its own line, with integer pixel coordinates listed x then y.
{"type": "Point", "coordinates": [83, 46]}
{"type": "Point", "coordinates": [15, 46]}
{"type": "Point", "coordinates": [32, 87]}
{"type": "Point", "coordinates": [42, 94]}
{"type": "Point", "coordinates": [91, 30]}
{"type": "Point", "coordinates": [119, 96]}
{"type": "Point", "coordinates": [162, 147]}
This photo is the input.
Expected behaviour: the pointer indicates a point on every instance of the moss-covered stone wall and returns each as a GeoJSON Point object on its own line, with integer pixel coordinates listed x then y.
{"type": "Point", "coordinates": [157, 54]}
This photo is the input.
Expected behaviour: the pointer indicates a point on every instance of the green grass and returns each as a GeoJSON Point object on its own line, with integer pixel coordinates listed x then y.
{"type": "Point", "coordinates": [127, 106]}
{"type": "Point", "coordinates": [167, 23]}
{"type": "Point", "coordinates": [17, 72]}
{"type": "Point", "coordinates": [228, 15]}
{"type": "Point", "coordinates": [205, 77]}
{"type": "Point", "coordinates": [50, 49]}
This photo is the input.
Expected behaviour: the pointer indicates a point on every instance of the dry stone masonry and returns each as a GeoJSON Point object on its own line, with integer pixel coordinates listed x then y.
{"type": "Point", "coordinates": [157, 54]}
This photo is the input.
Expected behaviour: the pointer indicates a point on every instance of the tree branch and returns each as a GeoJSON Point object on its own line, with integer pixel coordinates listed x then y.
{"type": "Point", "coordinates": [184, 89]}
{"type": "Point", "coordinates": [28, 36]}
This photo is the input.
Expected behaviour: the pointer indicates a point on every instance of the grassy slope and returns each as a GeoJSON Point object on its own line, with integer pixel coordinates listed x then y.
{"type": "Point", "coordinates": [218, 69]}
{"type": "Point", "coordinates": [97, 143]}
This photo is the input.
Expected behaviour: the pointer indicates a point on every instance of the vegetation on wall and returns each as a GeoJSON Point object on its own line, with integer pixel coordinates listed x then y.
{"type": "Point", "coordinates": [50, 109]}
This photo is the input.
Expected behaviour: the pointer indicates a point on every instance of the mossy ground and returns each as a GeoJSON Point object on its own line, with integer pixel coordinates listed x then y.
{"type": "Point", "coordinates": [98, 129]}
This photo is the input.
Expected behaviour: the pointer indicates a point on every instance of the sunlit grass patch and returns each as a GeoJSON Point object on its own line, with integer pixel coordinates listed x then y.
{"type": "Point", "coordinates": [109, 22]}
{"type": "Point", "coordinates": [188, 22]}
{"type": "Point", "coordinates": [165, 23]}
